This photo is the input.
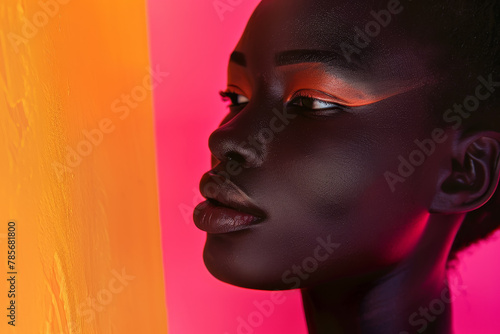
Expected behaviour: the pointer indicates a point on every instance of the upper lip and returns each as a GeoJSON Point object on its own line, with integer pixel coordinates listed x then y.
{"type": "Point", "coordinates": [220, 189]}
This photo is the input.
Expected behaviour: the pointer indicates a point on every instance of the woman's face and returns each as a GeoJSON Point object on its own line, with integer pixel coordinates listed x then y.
{"type": "Point", "coordinates": [309, 141]}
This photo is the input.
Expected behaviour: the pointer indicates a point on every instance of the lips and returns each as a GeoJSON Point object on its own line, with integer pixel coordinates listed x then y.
{"type": "Point", "coordinates": [227, 208]}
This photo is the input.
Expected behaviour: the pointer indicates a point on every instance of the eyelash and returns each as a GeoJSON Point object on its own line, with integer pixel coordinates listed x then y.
{"type": "Point", "coordinates": [300, 96]}
{"type": "Point", "coordinates": [232, 96]}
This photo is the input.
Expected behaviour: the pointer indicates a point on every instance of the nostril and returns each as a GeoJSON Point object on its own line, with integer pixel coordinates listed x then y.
{"type": "Point", "coordinates": [233, 156]}
{"type": "Point", "coordinates": [227, 144]}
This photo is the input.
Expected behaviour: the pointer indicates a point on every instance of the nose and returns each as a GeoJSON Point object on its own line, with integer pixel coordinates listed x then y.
{"type": "Point", "coordinates": [238, 140]}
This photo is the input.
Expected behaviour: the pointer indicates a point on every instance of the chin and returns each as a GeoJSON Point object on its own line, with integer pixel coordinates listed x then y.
{"type": "Point", "coordinates": [251, 272]}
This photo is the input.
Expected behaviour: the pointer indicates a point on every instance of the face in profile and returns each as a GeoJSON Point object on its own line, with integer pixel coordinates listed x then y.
{"type": "Point", "coordinates": [314, 177]}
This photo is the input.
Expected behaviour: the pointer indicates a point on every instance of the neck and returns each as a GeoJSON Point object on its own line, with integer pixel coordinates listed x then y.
{"type": "Point", "coordinates": [410, 297]}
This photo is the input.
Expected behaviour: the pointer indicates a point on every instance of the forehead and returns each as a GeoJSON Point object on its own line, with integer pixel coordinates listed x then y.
{"type": "Point", "coordinates": [349, 29]}
{"type": "Point", "coordinates": [316, 22]}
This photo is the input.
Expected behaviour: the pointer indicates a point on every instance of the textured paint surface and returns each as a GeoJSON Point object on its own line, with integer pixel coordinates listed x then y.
{"type": "Point", "coordinates": [193, 42]}
{"type": "Point", "coordinates": [77, 170]}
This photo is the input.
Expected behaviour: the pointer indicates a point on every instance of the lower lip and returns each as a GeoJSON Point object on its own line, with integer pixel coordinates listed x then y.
{"type": "Point", "coordinates": [216, 219]}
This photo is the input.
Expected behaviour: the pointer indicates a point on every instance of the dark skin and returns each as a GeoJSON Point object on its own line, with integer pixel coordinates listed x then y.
{"type": "Point", "coordinates": [323, 173]}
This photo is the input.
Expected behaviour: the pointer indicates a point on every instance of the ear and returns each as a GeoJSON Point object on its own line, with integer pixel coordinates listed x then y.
{"type": "Point", "coordinates": [472, 177]}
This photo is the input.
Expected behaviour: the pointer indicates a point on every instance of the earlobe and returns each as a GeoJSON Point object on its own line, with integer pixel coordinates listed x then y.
{"type": "Point", "coordinates": [473, 176]}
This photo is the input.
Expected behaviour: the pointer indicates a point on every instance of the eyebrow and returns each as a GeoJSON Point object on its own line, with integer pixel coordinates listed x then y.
{"type": "Point", "coordinates": [329, 58]}
{"type": "Point", "coordinates": [238, 58]}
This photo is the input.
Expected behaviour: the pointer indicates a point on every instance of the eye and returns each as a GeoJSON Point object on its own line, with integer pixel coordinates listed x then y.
{"type": "Point", "coordinates": [236, 99]}
{"type": "Point", "coordinates": [308, 101]}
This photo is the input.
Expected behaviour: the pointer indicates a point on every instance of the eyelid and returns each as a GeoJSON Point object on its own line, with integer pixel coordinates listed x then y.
{"type": "Point", "coordinates": [226, 94]}
{"type": "Point", "coordinates": [318, 95]}
{"type": "Point", "coordinates": [233, 89]}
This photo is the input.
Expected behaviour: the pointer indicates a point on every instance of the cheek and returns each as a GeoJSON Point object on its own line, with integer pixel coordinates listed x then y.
{"type": "Point", "coordinates": [341, 189]}
{"type": "Point", "coordinates": [328, 177]}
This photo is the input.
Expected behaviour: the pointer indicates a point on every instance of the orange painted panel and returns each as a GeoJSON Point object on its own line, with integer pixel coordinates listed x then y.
{"type": "Point", "coordinates": [77, 169]}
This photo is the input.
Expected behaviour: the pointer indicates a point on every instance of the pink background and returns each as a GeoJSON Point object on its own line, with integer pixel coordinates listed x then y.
{"type": "Point", "coordinates": [190, 40]}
